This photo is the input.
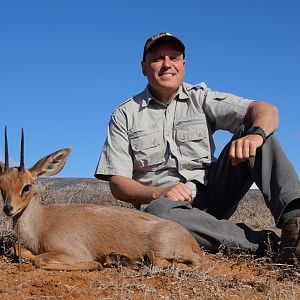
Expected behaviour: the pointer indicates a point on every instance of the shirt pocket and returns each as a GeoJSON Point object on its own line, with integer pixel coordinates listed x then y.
{"type": "Point", "coordinates": [192, 140]}
{"type": "Point", "coordinates": [221, 96]}
{"type": "Point", "coordinates": [147, 148]}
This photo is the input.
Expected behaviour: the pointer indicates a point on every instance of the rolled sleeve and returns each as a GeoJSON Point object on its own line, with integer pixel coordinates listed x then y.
{"type": "Point", "coordinates": [115, 157]}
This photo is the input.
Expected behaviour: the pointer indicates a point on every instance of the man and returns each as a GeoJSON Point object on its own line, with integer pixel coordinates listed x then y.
{"type": "Point", "coordinates": [159, 155]}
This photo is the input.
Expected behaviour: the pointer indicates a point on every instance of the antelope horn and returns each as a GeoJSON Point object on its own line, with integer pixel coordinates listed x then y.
{"type": "Point", "coordinates": [21, 168]}
{"type": "Point", "coordinates": [6, 165]}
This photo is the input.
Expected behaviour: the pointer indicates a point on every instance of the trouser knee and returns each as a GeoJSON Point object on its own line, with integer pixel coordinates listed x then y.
{"type": "Point", "coordinates": [159, 208]}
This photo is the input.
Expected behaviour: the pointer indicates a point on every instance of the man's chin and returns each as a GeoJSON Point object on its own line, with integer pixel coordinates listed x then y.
{"type": "Point", "coordinates": [170, 87]}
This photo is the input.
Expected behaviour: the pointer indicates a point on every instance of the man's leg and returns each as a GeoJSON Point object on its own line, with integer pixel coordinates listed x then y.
{"type": "Point", "coordinates": [270, 170]}
{"type": "Point", "coordinates": [209, 232]}
{"type": "Point", "coordinates": [276, 178]}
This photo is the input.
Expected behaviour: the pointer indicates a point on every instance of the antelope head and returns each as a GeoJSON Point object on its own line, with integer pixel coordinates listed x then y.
{"type": "Point", "coordinates": [18, 184]}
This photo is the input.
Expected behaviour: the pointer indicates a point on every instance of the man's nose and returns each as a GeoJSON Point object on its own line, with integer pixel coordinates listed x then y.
{"type": "Point", "coordinates": [167, 61]}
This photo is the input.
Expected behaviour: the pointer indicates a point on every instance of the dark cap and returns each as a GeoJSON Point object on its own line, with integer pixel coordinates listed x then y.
{"type": "Point", "coordinates": [159, 37]}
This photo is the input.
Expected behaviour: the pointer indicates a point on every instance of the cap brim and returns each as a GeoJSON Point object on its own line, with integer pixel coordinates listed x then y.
{"type": "Point", "coordinates": [174, 39]}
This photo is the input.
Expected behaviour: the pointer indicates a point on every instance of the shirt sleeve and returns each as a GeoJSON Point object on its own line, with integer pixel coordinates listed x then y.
{"type": "Point", "coordinates": [225, 111]}
{"type": "Point", "coordinates": [115, 158]}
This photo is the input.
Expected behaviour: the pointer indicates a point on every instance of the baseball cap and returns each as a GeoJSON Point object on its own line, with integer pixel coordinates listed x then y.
{"type": "Point", "coordinates": [162, 36]}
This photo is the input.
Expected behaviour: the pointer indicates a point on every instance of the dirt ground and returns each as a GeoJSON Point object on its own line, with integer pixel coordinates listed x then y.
{"type": "Point", "coordinates": [220, 277]}
{"type": "Point", "coordinates": [223, 275]}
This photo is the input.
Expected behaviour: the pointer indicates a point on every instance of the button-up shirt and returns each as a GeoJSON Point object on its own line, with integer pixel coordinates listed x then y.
{"type": "Point", "coordinates": [160, 145]}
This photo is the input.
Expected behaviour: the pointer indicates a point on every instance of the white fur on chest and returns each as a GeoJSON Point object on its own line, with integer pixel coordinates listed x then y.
{"type": "Point", "coordinates": [26, 227]}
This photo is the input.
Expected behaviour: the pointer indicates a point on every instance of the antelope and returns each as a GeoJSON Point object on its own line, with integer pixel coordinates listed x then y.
{"type": "Point", "coordinates": [86, 236]}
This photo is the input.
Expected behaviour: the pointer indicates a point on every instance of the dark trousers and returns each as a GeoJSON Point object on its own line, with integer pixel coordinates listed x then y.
{"type": "Point", "coordinates": [207, 217]}
{"type": "Point", "coordinates": [270, 170]}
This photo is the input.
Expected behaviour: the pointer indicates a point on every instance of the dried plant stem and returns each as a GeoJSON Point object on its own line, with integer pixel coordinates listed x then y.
{"type": "Point", "coordinates": [19, 250]}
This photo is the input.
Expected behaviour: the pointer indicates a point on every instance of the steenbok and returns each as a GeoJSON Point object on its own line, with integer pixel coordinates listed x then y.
{"type": "Point", "coordinates": [86, 236]}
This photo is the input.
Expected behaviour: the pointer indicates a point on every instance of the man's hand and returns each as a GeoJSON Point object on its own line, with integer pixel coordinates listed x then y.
{"type": "Point", "coordinates": [259, 114]}
{"type": "Point", "coordinates": [128, 189]}
{"type": "Point", "coordinates": [244, 148]}
{"type": "Point", "coordinates": [178, 192]}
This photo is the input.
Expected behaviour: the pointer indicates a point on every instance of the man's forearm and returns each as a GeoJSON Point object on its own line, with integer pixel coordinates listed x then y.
{"type": "Point", "coordinates": [129, 190]}
{"type": "Point", "coordinates": [264, 115]}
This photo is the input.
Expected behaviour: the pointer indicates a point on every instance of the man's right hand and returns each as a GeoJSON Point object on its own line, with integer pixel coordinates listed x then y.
{"type": "Point", "coordinates": [177, 192]}
{"type": "Point", "coordinates": [129, 190]}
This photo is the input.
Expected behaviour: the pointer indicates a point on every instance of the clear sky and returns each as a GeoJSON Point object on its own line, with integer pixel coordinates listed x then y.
{"type": "Point", "coordinates": [65, 65]}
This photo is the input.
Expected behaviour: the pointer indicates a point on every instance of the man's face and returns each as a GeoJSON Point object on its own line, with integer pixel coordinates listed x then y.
{"type": "Point", "coordinates": [164, 67]}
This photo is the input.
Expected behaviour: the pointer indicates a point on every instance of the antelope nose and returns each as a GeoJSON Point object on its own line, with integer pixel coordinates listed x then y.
{"type": "Point", "coordinates": [7, 209]}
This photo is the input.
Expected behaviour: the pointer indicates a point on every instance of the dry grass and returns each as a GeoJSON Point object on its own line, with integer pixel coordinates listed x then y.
{"type": "Point", "coordinates": [225, 275]}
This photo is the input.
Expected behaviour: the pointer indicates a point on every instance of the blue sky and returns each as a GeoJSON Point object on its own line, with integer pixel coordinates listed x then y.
{"type": "Point", "coordinates": [66, 65]}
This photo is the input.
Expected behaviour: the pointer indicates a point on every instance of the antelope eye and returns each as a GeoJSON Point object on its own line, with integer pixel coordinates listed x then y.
{"type": "Point", "coordinates": [26, 188]}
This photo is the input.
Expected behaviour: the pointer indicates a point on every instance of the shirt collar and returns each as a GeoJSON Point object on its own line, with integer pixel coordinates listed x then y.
{"type": "Point", "coordinates": [181, 94]}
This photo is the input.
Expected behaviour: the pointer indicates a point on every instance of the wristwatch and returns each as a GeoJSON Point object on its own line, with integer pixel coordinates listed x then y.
{"type": "Point", "coordinates": [258, 131]}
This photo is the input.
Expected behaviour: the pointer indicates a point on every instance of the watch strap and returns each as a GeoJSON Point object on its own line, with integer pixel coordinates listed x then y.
{"type": "Point", "coordinates": [258, 131]}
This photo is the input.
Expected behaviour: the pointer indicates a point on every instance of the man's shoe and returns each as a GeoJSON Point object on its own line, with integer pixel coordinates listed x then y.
{"type": "Point", "coordinates": [289, 249]}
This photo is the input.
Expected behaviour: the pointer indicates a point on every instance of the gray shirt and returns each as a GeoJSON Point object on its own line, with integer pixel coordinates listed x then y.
{"type": "Point", "coordinates": [160, 145]}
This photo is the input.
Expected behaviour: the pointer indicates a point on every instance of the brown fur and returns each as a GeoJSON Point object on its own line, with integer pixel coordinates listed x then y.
{"type": "Point", "coordinates": [85, 236]}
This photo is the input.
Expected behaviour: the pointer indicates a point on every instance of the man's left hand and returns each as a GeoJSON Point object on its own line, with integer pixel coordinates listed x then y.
{"type": "Point", "coordinates": [244, 148]}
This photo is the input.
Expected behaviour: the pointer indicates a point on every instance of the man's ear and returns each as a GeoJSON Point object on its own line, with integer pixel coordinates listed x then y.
{"type": "Point", "coordinates": [143, 68]}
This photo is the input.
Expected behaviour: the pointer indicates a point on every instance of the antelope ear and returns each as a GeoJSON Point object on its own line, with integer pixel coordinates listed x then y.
{"type": "Point", "coordinates": [1, 168]}
{"type": "Point", "coordinates": [51, 164]}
